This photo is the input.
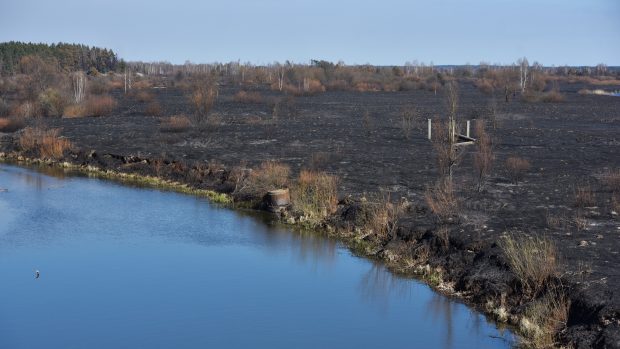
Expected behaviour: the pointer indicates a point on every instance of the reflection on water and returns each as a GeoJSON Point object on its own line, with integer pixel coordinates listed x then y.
{"type": "Point", "coordinates": [122, 267]}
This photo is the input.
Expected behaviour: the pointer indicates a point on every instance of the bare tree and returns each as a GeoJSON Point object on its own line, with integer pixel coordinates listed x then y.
{"type": "Point", "coordinates": [78, 80]}
{"type": "Point", "coordinates": [523, 73]}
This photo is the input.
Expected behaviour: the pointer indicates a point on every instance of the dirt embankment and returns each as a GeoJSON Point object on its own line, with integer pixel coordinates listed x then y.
{"type": "Point", "coordinates": [360, 138]}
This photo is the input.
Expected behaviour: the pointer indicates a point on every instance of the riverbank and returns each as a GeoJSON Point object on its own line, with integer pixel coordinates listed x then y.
{"type": "Point", "coordinates": [448, 259]}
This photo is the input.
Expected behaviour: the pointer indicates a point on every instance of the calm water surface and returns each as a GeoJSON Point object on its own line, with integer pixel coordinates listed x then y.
{"type": "Point", "coordinates": [126, 267]}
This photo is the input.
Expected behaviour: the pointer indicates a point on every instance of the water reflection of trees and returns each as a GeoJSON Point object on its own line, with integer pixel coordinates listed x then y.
{"type": "Point", "coordinates": [378, 286]}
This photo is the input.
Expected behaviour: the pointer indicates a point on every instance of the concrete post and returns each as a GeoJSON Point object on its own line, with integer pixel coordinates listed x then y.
{"type": "Point", "coordinates": [429, 129]}
{"type": "Point", "coordinates": [468, 124]}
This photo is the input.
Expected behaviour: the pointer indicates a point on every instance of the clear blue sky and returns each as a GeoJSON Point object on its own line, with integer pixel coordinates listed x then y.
{"type": "Point", "coordinates": [553, 32]}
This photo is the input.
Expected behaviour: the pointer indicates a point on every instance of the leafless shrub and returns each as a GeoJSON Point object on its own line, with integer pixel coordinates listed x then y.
{"type": "Point", "coordinates": [204, 92]}
{"type": "Point", "coordinates": [544, 318]}
{"type": "Point", "coordinates": [153, 109]}
{"type": "Point", "coordinates": [100, 105]}
{"type": "Point", "coordinates": [612, 180]}
{"type": "Point", "coordinates": [270, 175]}
{"type": "Point", "coordinates": [48, 143]}
{"type": "Point", "coordinates": [583, 196]}
{"type": "Point", "coordinates": [484, 85]}
{"type": "Point", "coordinates": [248, 97]}
{"type": "Point", "coordinates": [442, 200]}
{"type": "Point", "coordinates": [315, 194]}
{"type": "Point", "coordinates": [553, 96]}
{"type": "Point", "coordinates": [74, 111]}
{"type": "Point", "coordinates": [176, 123]}
{"type": "Point", "coordinates": [533, 260]}
{"type": "Point", "coordinates": [407, 121]}
{"type": "Point", "coordinates": [383, 218]}
{"type": "Point", "coordinates": [367, 123]}
{"type": "Point", "coordinates": [517, 167]}
{"type": "Point", "coordinates": [483, 158]}
{"type": "Point", "coordinates": [447, 154]}
{"type": "Point", "coordinates": [143, 96]}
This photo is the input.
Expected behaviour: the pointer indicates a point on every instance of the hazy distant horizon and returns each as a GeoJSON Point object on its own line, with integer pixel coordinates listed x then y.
{"type": "Point", "coordinates": [446, 32]}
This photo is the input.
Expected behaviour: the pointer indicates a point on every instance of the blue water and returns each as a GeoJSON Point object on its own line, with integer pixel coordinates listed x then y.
{"type": "Point", "coordinates": [124, 267]}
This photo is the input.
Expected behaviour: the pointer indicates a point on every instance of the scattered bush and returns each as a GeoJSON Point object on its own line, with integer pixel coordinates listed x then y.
{"type": "Point", "coordinates": [177, 123]}
{"type": "Point", "coordinates": [74, 111]}
{"type": "Point", "coordinates": [383, 218]}
{"type": "Point", "coordinates": [270, 175]}
{"type": "Point", "coordinates": [315, 194]}
{"type": "Point", "coordinates": [248, 97]}
{"type": "Point", "coordinates": [442, 201]}
{"type": "Point", "coordinates": [48, 143]}
{"type": "Point", "coordinates": [204, 91]}
{"type": "Point", "coordinates": [153, 109]}
{"type": "Point", "coordinates": [545, 317]}
{"type": "Point", "coordinates": [11, 124]}
{"type": "Point", "coordinates": [143, 96]}
{"type": "Point", "coordinates": [26, 109]}
{"type": "Point", "coordinates": [99, 86]}
{"type": "Point", "coordinates": [485, 86]}
{"type": "Point", "coordinates": [100, 105]}
{"type": "Point", "coordinates": [533, 260]}
{"type": "Point", "coordinates": [517, 167]}
{"type": "Point", "coordinates": [612, 180]}
{"type": "Point", "coordinates": [51, 102]}
{"type": "Point", "coordinates": [483, 158]}
{"type": "Point", "coordinates": [553, 96]}
{"type": "Point", "coordinates": [584, 196]}
{"type": "Point", "coordinates": [407, 121]}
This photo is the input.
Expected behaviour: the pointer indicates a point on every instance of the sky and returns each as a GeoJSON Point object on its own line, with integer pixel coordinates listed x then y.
{"type": "Point", "coordinates": [386, 32]}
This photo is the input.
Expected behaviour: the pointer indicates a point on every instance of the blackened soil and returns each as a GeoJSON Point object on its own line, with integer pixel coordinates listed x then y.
{"type": "Point", "coordinates": [359, 137]}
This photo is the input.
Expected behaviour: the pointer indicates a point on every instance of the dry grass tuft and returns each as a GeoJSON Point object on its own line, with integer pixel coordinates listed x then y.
{"type": "Point", "coordinates": [74, 111]}
{"type": "Point", "coordinates": [11, 124]}
{"type": "Point", "coordinates": [270, 175]}
{"type": "Point", "coordinates": [100, 105]}
{"type": "Point", "coordinates": [383, 218]}
{"type": "Point", "coordinates": [248, 97]}
{"type": "Point", "coordinates": [153, 109]}
{"type": "Point", "coordinates": [544, 318]}
{"type": "Point", "coordinates": [612, 180]}
{"type": "Point", "coordinates": [48, 143]}
{"type": "Point", "coordinates": [584, 196]}
{"type": "Point", "coordinates": [532, 259]}
{"type": "Point", "coordinates": [442, 200]}
{"type": "Point", "coordinates": [315, 194]}
{"type": "Point", "coordinates": [553, 96]}
{"type": "Point", "coordinates": [176, 123]}
{"type": "Point", "coordinates": [517, 167]}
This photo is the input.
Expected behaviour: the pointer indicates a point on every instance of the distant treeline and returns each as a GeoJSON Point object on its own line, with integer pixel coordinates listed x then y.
{"type": "Point", "coordinates": [69, 57]}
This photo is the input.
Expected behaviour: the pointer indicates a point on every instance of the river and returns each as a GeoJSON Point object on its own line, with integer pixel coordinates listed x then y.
{"type": "Point", "coordinates": [126, 267]}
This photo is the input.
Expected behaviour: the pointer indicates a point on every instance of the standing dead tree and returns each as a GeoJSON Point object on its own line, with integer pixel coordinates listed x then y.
{"type": "Point", "coordinates": [204, 92]}
{"type": "Point", "coordinates": [483, 158]}
{"type": "Point", "coordinates": [78, 82]}
{"type": "Point", "coordinates": [523, 73]}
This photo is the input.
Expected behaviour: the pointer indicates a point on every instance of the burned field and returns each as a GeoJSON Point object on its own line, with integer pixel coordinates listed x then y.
{"type": "Point", "coordinates": [554, 174]}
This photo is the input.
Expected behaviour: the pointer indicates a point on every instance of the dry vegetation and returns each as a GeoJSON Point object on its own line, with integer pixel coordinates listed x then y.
{"type": "Point", "coordinates": [532, 259]}
{"type": "Point", "coordinates": [315, 194]}
{"type": "Point", "coordinates": [517, 168]}
{"type": "Point", "coordinates": [442, 201]}
{"type": "Point", "coordinates": [544, 318]}
{"type": "Point", "coordinates": [484, 157]}
{"type": "Point", "coordinates": [176, 123]}
{"type": "Point", "coordinates": [48, 143]}
{"type": "Point", "coordinates": [11, 124]}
